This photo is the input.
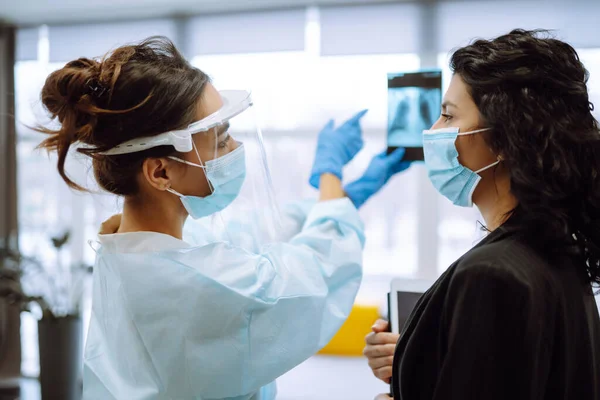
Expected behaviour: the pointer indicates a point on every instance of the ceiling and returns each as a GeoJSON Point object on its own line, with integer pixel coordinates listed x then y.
{"type": "Point", "coordinates": [34, 12]}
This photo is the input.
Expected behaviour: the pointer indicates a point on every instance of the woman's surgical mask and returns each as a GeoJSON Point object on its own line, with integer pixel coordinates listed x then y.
{"type": "Point", "coordinates": [451, 179]}
{"type": "Point", "coordinates": [226, 176]}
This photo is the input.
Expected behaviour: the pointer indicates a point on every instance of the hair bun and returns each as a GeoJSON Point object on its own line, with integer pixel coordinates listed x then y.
{"type": "Point", "coordinates": [67, 91]}
{"type": "Point", "coordinates": [96, 88]}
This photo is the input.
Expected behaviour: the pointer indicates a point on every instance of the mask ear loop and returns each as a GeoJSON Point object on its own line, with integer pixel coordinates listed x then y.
{"type": "Point", "coordinates": [201, 165]}
{"type": "Point", "coordinates": [473, 132]}
{"type": "Point", "coordinates": [181, 160]}
{"type": "Point", "coordinates": [488, 167]}
{"type": "Point", "coordinates": [210, 185]}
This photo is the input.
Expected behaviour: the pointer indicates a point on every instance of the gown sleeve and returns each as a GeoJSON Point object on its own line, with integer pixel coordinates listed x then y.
{"type": "Point", "coordinates": [219, 321]}
{"type": "Point", "coordinates": [294, 217]}
{"type": "Point", "coordinates": [494, 348]}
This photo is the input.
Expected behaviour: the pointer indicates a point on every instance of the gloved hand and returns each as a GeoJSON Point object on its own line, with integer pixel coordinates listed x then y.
{"type": "Point", "coordinates": [379, 171]}
{"type": "Point", "coordinates": [336, 147]}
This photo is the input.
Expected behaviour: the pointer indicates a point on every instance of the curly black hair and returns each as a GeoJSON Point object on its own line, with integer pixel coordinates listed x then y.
{"type": "Point", "coordinates": [530, 89]}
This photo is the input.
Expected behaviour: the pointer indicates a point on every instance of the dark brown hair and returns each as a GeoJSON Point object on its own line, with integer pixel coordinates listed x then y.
{"type": "Point", "coordinates": [134, 91]}
{"type": "Point", "coordinates": [530, 88]}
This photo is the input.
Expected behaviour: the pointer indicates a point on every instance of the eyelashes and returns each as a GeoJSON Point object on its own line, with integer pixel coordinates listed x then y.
{"type": "Point", "coordinates": [447, 117]}
{"type": "Point", "coordinates": [224, 142]}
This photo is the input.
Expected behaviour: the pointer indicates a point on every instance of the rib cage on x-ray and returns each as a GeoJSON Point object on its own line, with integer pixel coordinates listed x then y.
{"type": "Point", "coordinates": [415, 110]}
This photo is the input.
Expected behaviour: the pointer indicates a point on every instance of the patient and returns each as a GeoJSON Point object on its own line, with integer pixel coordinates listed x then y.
{"type": "Point", "coordinates": [515, 317]}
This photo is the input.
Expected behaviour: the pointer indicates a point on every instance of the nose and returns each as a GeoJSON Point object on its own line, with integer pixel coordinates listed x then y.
{"type": "Point", "coordinates": [235, 145]}
{"type": "Point", "coordinates": [437, 124]}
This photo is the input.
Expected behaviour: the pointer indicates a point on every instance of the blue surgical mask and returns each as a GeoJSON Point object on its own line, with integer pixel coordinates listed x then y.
{"type": "Point", "coordinates": [226, 176]}
{"type": "Point", "coordinates": [454, 181]}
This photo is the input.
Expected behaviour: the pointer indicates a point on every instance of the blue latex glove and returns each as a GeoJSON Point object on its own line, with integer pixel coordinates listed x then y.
{"type": "Point", "coordinates": [336, 147]}
{"type": "Point", "coordinates": [378, 173]}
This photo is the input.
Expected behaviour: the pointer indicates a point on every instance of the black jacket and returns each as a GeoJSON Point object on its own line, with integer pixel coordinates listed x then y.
{"type": "Point", "coordinates": [504, 323]}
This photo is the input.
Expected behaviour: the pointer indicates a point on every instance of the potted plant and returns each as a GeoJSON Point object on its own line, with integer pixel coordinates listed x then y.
{"type": "Point", "coordinates": [54, 295]}
{"type": "Point", "coordinates": [10, 324]}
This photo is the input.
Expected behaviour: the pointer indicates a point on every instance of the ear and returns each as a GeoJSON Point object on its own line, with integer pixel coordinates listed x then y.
{"type": "Point", "coordinates": [157, 172]}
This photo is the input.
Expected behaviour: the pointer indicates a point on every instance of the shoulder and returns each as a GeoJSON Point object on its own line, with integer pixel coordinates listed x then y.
{"type": "Point", "coordinates": [507, 265]}
{"type": "Point", "coordinates": [485, 286]}
{"type": "Point", "coordinates": [140, 242]}
{"type": "Point", "coordinates": [507, 261]}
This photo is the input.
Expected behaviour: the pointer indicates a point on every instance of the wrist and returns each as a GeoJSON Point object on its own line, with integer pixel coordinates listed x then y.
{"type": "Point", "coordinates": [330, 187]}
{"type": "Point", "coordinates": [354, 195]}
{"type": "Point", "coordinates": [317, 173]}
{"type": "Point", "coordinates": [360, 191]}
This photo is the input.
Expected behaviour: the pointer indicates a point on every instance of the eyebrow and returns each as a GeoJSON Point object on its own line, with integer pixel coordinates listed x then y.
{"type": "Point", "coordinates": [223, 129]}
{"type": "Point", "coordinates": [447, 103]}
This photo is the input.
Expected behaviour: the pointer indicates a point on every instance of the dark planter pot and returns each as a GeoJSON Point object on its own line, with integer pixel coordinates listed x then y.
{"type": "Point", "coordinates": [10, 350]}
{"type": "Point", "coordinates": [61, 358]}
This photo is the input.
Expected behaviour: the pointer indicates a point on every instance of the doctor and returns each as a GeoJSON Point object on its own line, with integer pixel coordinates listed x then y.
{"type": "Point", "coordinates": [224, 318]}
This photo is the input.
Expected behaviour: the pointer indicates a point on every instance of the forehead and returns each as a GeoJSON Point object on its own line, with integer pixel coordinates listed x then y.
{"type": "Point", "coordinates": [210, 102]}
{"type": "Point", "coordinates": [457, 92]}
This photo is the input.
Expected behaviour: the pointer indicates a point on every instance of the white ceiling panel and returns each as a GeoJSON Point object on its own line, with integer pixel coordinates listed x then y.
{"type": "Point", "coordinates": [31, 12]}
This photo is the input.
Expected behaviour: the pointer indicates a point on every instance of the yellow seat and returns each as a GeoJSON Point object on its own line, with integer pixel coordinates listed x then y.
{"type": "Point", "coordinates": [350, 339]}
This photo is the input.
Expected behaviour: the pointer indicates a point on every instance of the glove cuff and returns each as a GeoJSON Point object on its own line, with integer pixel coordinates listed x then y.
{"type": "Point", "coordinates": [315, 175]}
{"type": "Point", "coordinates": [357, 193]}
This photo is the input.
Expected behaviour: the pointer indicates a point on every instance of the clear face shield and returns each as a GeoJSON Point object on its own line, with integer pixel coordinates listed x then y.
{"type": "Point", "coordinates": [239, 206]}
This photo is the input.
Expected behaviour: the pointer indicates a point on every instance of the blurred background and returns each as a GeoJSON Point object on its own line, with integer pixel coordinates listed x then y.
{"type": "Point", "coordinates": [305, 62]}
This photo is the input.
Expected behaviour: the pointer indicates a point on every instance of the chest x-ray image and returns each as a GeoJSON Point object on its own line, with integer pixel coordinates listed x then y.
{"type": "Point", "coordinates": [414, 103]}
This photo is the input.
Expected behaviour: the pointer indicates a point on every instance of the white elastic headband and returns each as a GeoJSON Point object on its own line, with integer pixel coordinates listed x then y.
{"type": "Point", "coordinates": [234, 103]}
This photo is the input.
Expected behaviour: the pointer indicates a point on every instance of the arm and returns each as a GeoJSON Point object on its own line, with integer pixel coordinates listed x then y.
{"type": "Point", "coordinates": [382, 167]}
{"type": "Point", "coordinates": [294, 214]}
{"type": "Point", "coordinates": [330, 188]}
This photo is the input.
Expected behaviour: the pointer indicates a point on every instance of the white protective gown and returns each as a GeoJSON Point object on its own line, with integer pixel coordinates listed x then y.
{"type": "Point", "coordinates": [178, 322]}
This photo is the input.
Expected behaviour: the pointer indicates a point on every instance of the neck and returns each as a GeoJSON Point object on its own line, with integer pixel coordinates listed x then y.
{"type": "Point", "coordinates": [495, 203]}
{"type": "Point", "coordinates": [152, 215]}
